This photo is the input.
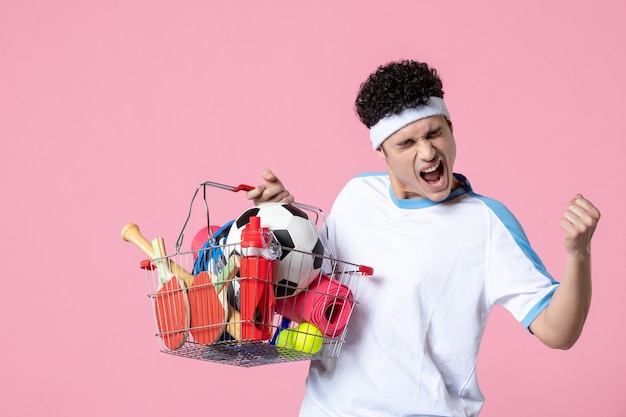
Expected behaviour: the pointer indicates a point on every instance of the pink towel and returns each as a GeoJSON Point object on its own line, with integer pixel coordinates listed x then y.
{"type": "Point", "coordinates": [326, 303]}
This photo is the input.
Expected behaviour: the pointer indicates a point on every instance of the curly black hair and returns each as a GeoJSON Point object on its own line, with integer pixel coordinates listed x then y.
{"type": "Point", "coordinates": [394, 87]}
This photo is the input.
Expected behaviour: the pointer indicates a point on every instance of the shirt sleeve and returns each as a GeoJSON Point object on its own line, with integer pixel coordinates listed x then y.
{"type": "Point", "coordinates": [516, 278]}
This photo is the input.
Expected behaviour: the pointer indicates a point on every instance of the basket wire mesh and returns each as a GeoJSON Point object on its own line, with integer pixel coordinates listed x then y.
{"type": "Point", "coordinates": [232, 309]}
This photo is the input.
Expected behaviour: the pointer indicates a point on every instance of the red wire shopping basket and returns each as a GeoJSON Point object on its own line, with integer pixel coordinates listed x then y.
{"type": "Point", "coordinates": [242, 302]}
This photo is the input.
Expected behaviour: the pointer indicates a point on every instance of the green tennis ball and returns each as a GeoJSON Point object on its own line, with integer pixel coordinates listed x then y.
{"type": "Point", "coordinates": [306, 338]}
{"type": "Point", "coordinates": [284, 339]}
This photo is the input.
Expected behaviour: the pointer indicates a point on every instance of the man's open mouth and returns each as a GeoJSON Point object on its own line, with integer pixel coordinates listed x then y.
{"type": "Point", "coordinates": [433, 174]}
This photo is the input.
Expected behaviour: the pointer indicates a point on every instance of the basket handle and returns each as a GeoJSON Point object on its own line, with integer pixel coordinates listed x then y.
{"type": "Point", "coordinates": [240, 187]}
{"type": "Point", "coordinates": [243, 187]}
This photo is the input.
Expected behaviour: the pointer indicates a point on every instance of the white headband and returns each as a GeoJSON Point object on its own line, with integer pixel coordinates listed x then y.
{"type": "Point", "coordinates": [389, 125]}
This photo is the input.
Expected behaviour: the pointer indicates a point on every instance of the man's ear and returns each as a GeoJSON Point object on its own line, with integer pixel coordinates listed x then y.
{"type": "Point", "coordinates": [450, 124]}
{"type": "Point", "coordinates": [381, 152]}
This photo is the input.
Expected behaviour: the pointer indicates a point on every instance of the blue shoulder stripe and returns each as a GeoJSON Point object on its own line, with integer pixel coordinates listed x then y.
{"type": "Point", "coordinates": [514, 227]}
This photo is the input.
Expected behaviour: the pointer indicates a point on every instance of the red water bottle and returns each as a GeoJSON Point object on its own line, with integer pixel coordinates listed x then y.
{"type": "Point", "coordinates": [257, 283]}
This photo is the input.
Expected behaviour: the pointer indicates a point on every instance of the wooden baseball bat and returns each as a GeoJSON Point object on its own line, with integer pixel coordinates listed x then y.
{"type": "Point", "coordinates": [132, 234]}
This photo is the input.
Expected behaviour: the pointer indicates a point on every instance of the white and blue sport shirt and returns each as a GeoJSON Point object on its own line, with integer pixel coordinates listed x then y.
{"type": "Point", "coordinates": [439, 268]}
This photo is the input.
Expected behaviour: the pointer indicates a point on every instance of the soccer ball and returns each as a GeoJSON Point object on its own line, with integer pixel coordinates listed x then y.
{"type": "Point", "coordinates": [299, 240]}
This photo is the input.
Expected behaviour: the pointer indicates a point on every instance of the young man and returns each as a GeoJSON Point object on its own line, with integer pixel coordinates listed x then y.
{"type": "Point", "coordinates": [443, 256]}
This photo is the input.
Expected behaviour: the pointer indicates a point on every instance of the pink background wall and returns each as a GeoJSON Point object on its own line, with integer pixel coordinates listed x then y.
{"type": "Point", "coordinates": [114, 111]}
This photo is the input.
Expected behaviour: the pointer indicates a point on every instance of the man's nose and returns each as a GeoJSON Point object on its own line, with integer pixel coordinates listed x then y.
{"type": "Point", "coordinates": [425, 150]}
